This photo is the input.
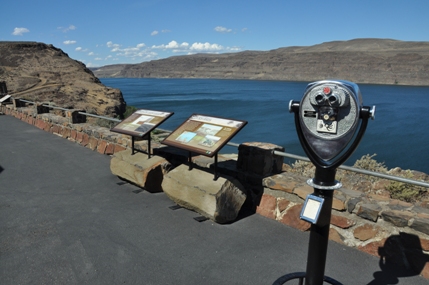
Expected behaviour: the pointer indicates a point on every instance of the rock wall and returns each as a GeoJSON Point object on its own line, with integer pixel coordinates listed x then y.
{"type": "Point", "coordinates": [393, 230]}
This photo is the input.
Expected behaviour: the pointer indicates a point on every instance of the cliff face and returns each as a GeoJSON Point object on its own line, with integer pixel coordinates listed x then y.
{"type": "Point", "coordinates": [376, 61]}
{"type": "Point", "coordinates": [43, 73]}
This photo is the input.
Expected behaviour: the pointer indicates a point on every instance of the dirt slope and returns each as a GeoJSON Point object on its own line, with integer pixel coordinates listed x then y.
{"type": "Point", "coordinates": [43, 73]}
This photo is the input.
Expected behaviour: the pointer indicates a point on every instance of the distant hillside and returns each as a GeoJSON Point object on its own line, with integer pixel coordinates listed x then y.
{"type": "Point", "coordinates": [43, 73]}
{"type": "Point", "coordinates": [377, 61]}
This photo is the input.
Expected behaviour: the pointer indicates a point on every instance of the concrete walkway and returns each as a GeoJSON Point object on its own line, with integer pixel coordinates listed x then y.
{"type": "Point", "coordinates": [65, 219]}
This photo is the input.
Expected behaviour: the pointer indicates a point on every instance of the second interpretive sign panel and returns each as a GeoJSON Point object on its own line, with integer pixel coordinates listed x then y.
{"type": "Point", "coordinates": [204, 134]}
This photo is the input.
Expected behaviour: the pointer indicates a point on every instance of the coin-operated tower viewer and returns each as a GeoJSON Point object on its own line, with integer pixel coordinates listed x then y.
{"type": "Point", "coordinates": [330, 122]}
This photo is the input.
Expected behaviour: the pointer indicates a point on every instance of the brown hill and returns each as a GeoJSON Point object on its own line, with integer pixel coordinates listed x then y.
{"type": "Point", "coordinates": [377, 61]}
{"type": "Point", "coordinates": [43, 73]}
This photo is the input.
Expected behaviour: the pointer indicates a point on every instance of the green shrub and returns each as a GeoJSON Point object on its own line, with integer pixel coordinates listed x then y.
{"type": "Point", "coordinates": [129, 110]}
{"type": "Point", "coordinates": [398, 190]}
{"type": "Point", "coordinates": [368, 162]}
{"type": "Point", "coordinates": [404, 191]}
{"type": "Point", "coordinates": [105, 123]}
{"type": "Point", "coordinates": [303, 168]}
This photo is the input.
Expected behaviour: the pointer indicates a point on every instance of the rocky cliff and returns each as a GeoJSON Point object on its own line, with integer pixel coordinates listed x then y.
{"type": "Point", "coordinates": [43, 73]}
{"type": "Point", "coordinates": [376, 61]}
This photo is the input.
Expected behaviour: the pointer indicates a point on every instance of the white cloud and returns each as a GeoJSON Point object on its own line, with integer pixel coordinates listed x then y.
{"type": "Point", "coordinates": [196, 47]}
{"type": "Point", "coordinates": [69, 42]}
{"type": "Point", "coordinates": [165, 31]}
{"type": "Point", "coordinates": [135, 52]}
{"type": "Point", "coordinates": [20, 31]}
{"type": "Point", "coordinates": [69, 28]}
{"type": "Point", "coordinates": [114, 47]}
{"type": "Point", "coordinates": [205, 47]}
{"type": "Point", "coordinates": [91, 53]}
{"type": "Point", "coordinates": [111, 44]}
{"type": "Point", "coordinates": [98, 58]}
{"type": "Point", "coordinates": [172, 45]}
{"type": "Point", "coordinates": [221, 29]}
{"type": "Point", "coordinates": [234, 49]}
{"type": "Point", "coordinates": [141, 52]}
{"type": "Point", "coordinates": [81, 49]}
{"type": "Point", "coordinates": [154, 33]}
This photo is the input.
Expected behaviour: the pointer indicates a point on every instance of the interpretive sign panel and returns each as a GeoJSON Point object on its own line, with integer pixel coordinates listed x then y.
{"type": "Point", "coordinates": [141, 122]}
{"type": "Point", "coordinates": [203, 134]}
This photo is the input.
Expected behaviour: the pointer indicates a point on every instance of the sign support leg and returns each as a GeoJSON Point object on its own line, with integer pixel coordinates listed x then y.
{"type": "Point", "coordinates": [190, 160]}
{"type": "Point", "coordinates": [215, 168]}
{"type": "Point", "coordinates": [148, 145]}
{"type": "Point", "coordinates": [132, 145]}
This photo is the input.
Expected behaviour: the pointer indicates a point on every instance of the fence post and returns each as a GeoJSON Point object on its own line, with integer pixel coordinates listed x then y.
{"type": "Point", "coordinates": [74, 117]}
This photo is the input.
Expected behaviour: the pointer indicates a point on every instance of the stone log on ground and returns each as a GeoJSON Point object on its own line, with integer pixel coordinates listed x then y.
{"type": "Point", "coordinates": [219, 200]}
{"type": "Point", "coordinates": [137, 168]}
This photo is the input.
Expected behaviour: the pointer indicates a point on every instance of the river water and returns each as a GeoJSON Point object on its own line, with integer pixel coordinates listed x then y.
{"type": "Point", "coordinates": [398, 135]}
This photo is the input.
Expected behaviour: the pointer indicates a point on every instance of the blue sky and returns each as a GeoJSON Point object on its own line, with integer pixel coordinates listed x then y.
{"type": "Point", "coordinates": [110, 32]}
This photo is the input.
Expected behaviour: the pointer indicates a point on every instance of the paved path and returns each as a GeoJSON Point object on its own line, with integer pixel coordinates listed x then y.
{"type": "Point", "coordinates": [65, 219]}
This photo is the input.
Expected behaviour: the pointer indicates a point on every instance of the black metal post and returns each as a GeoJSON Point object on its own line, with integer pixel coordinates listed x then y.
{"type": "Point", "coordinates": [190, 160]}
{"type": "Point", "coordinates": [215, 167]}
{"type": "Point", "coordinates": [319, 233]}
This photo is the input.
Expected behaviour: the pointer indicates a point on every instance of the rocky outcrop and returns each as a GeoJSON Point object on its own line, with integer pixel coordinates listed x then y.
{"type": "Point", "coordinates": [43, 73]}
{"type": "Point", "coordinates": [373, 61]}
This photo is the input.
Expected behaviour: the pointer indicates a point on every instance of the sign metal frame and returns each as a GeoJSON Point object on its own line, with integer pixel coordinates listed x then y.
{"type": "Point", "coordinates": [140, 124]}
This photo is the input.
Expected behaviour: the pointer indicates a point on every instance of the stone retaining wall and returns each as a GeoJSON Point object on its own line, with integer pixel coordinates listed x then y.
{"type": "Point", "coordinates": [393, 230]}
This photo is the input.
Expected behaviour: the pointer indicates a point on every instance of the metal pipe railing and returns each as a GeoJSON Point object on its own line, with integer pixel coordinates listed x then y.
{"type": "Point", "coordinates": [55, 107]}
{"type": "Point", "coordinates": [361, 171]}
{"type": "Point", "coordinates": [49, 106]}
{"type": "Point", "coordinates": [100, 117]}
{"type": "Point", "coordinates": [284, 154]}
{"type": "Point", "coordinates": [26, 101]}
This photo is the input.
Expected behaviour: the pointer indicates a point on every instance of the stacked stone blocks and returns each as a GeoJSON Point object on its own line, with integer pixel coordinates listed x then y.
{"type": "Point", "coordinates": [85, 134]}
{"type": "Point", "coordinates": [363, 221]}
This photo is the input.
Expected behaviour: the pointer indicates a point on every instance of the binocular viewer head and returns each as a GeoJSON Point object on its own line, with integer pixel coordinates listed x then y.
{"type": "Point", "coordinates": [328, 117]}
{"type": "Point", "coordinates": [327, 96]}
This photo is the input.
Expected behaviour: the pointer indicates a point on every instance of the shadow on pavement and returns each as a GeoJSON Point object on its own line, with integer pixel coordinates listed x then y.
{"type": "Point", "coordinates": [401, 256]}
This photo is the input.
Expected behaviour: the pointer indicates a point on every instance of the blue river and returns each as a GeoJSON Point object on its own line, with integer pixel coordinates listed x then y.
{"type": "Point", "coordinates": [398, 135]}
